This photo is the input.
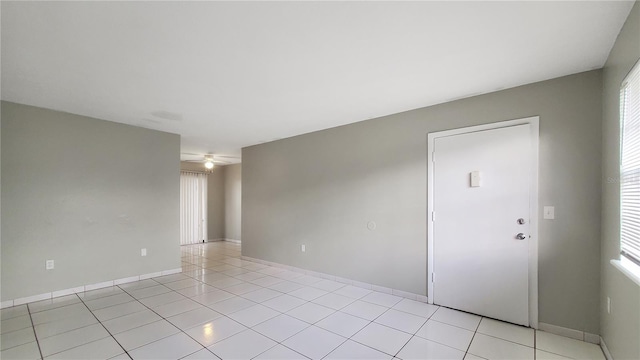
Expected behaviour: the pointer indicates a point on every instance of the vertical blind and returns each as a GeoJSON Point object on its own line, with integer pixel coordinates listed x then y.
{"type": "Point", "coordinates": [193, 207]}
{"type": "Point", "coordinates": [630, 166]}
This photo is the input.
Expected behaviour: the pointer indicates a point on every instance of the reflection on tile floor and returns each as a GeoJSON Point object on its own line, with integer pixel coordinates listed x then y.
{"type": "Point", "coordinates": [223, 307]}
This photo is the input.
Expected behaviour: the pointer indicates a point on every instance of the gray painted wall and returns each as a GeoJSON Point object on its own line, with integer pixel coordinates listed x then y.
{"type": "Point", "coordinates": [620, 329]}
{"type": "Point", "coordinates": [215, 198]}
{"type": "Point", "coordinates": [87, 193]}
{"type": "Point", "coordinates": [233, 196]}
{"type": "Point", "coordinates": [0, 200]}
{"type": "Point", "coordinates": [321, 189]}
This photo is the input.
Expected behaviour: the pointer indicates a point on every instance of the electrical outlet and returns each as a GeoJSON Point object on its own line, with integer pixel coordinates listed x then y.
{"type": "Point", "coordinates": [143, 252]}
{"type": "Point", "coordinates": [49, 264]}
{"type": "Point", "coordinates": [303, 248]}
{"type": "Point", "coordinates": [608, 305]}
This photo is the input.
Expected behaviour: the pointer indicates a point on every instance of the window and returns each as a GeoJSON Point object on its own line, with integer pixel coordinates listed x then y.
{"type": "Point", "coordinates": [630, 166]}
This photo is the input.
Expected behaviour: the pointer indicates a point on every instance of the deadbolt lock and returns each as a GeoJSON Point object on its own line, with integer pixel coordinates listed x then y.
{"type": "Point", "coordinates": [521, 221]}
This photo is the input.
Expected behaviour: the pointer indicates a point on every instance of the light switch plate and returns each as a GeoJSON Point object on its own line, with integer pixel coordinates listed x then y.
{"type": "Point", "coordinates": [49, 264]}
{"type": "Point", "coordinates": [475, 179]}
{"type": "Point", "coordinates": [549, 212]}
{"type": "Point", "coordinates": [143, 252]}
{"type": "Point", "coordinates": [303, 248]}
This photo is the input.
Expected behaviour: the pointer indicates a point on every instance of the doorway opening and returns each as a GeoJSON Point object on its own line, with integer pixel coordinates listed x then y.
{"type": "Point", "coordinates": [193, 207]}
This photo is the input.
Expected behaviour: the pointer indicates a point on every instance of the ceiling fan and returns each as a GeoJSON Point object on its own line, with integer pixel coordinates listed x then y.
{"type": "Point", "coordinates": [209, 160]}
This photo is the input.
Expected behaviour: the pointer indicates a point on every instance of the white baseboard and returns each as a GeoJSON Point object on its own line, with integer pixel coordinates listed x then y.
{"type": "Point", "coordinates": [83, 288]}
{"type": "Point", "coordinates": [592, 338]}
{"type": "Point", "coordinates": [221, 239]}
{"type": "Point", "coordinates": [33, 298]}
{"type": "Point", "coordinates": [386, 290]}
{"type": "Point", "coordinates": [570, 333]}
{"type": "Point", "coordinates": [605, 349]}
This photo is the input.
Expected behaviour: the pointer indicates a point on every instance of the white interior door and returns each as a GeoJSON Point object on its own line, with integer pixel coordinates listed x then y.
{"type": "Point", "coordinates": [481, 226]}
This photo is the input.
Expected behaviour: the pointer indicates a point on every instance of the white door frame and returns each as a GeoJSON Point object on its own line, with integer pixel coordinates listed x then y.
{"type": "Point", "coordinates": [534, 123]}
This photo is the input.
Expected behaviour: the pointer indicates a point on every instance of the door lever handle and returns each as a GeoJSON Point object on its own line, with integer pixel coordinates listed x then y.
{"type": "Point", "coordinates": [520, 236]}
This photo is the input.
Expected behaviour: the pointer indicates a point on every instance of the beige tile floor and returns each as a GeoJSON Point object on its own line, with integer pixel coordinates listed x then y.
{"type": "Point", "coordinates": [223, 307]}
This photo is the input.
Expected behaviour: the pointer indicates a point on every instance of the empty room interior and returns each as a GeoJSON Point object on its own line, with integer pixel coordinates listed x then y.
{"type": "Point", "coordinates": [320, 180]}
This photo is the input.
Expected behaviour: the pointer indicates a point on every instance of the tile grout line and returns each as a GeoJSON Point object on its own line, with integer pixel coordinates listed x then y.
{"type": "Point", "coordinates": [91, 311]}
{"type": "Point", "coordinates": [281, 344]}
{"type": "Point", "coordinates": [507, 340]}
{"type": "Point", "coordinates": [473, 337]}
{"type": "Point", "coordinates": [371, 322]}
{"type": "Point", "coordinates": [50, 322]}
{"type": "Point", "coordinates": [335, 310]}
{"type": "Point", "coordinates": [421, 326]}
{"type": "Point", "coordinates": [234, 267]}
{"type": "Point", "coordinates": [70, 330]}
{"type": "Point", "coordinates": [284, 313]}
{"type": "Point", "coordinates": [180, 330]}
{"type": "Point", "coordinates": [308, 285]}
{"type": "Point", "coordinates": [535, 344]}
{"type": "Point", "coordinates": [105, 328]}
{"type": "Point", "coordinates": [262, 287]}
{"type": "Point", "coordinates": [33, 327]}
{"type": "Point", "coordinates": [251, 328]}
{"type": "Point", "coordinates": [165, 319]}
{"type": "Point", "coordinates": [280, 313]}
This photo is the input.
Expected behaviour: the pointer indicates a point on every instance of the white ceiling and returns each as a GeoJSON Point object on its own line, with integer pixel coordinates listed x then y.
{"type": "Point", "coordinates": [225, 75]}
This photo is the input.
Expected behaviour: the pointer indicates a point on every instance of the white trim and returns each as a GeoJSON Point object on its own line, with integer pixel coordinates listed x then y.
{"type": "Point", "coordinates": [126, 280]}
{"type": "Point", "coordinates": [80, 289]}
{"type": "Point", "coordinates": [605, 349]}
{"type": "Point", "coordinates": [629, 269]}
{"type": "Point", "coordinates": [534, 123]}
{"type": "Point", "coordinates": [150, 275]}
{"type": "Point", "coordinates": [592, 338]}
{"type": "Point", "coordinates": [99, 285]}
{"type": "Point", "coordinates": [405, 294]}
{"type": "Point", "coordinates": [562, 331]}
{"type": "Point", "coordinates": [328, 277]}
{"type": "Point", "coordinates": [233, 241]}
{"type": "Point", "coordinates": [30, 299]}
{"type": "Point", "coordinates": [533, 209]}
{"type": "Point", "coordinates": [571, 333]}
{"type": "Point", "coordinates": [382, 289]}
{"type": "Point", "coordinates": [171, 272]}
{"type": "Point", "coordinates": [360, 284]}
{"type": "Point", "coordinates": [66, 292]}
{"type": "Point", "coordinates": [212, 240]}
